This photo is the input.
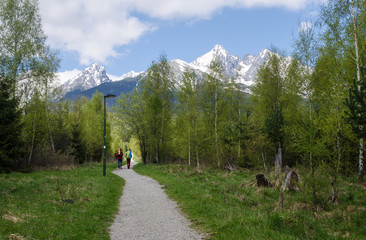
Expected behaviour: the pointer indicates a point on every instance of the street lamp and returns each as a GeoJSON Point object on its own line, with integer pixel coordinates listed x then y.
{"type": "Point", "coordinates": [105, 145]}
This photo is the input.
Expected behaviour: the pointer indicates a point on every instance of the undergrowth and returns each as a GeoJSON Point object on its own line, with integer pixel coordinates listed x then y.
{"type": "Point", "coordinates": [229, 205]}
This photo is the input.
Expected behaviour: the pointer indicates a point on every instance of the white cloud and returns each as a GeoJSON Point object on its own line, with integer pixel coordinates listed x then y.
{"type": "Point", "coordinates": [94, 28]}
{"type": "Point", "coordinates": [305, 27]}
{"type": "Point", "coordinates": [63, 77]}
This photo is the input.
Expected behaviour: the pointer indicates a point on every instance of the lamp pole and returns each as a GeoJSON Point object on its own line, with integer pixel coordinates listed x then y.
{"type": "Point", "coordinates": [105, 140]}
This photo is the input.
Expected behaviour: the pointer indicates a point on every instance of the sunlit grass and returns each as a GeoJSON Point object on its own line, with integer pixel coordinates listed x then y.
{"type": "Point", "coordinates": [73, 204]}
{"type": "Point", "coordinates": [229, 205]}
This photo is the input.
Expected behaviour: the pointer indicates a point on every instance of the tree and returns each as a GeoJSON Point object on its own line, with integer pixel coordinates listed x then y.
{"type": "Point", "coordinates": [27, 64]}
{"type": "Point", "coordinates": [267, 95]}
{"type": "Point", "coordinates": [357, 111]}
{"type": "Point", "coordinates": [305, 53]}
{"type": "Point", "coordinates": [157, 94]}
{"type": "Point", "coordinates": [212, 92]}
{"type": "Point", "coordinates": [188, 112]}
{"type": "Point", "coordinates": [132, 119]}
{"type": "Point", "coordinates": [345, 25]}
{"type": "Point", "coordinates": [22, 43]}
{"type": "Point", "coordinates": [10, 127]}
{"type": "Point", "coordinates": [92, 127]}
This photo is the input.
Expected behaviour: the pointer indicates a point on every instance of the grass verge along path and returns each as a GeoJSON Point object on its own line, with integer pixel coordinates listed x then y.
{"type": "Point", "coordinates": [229, 205]}
{"type": "Point", "coordinates": [72, 204]}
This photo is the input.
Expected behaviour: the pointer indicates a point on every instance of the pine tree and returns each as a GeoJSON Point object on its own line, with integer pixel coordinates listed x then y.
{"type": "Point", "coordinates": [356, 104]}
{"type": "Point", "coordinates": [10, 127]}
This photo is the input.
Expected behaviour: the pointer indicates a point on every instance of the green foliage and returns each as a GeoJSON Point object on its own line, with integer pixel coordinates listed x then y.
{"type": "Point", "coordinates": [10, 128]}
{"type": "Point", "coordinates": [357, 106]}
{"type": "Point", "coordinates": [157, 94]}
{"type": "Point", "coordinates": [71, 204]}
{"type": "Point", "coordinates": [273, 125]}
{"type": "Point", "coordinates": [27, 66]}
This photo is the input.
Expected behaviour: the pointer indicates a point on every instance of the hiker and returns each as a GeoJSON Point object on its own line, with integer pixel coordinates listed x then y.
{"type": "Point", "coordinates": [128, 157]}
{"type": "Point", "coordinates": [119, 155]}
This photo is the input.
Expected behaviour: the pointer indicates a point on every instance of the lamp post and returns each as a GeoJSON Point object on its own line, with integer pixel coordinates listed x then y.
{"type": "Point", "coordinates": [105, 144]}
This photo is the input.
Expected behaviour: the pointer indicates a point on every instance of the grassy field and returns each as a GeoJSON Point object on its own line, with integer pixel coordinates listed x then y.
{"type": "Point", "coordinates": [229, 205]}
{"type": "Point", "coordinates": [73, 204]}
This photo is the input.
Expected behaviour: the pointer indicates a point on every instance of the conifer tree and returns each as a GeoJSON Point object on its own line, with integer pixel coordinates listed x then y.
{"type": "Point", "coordinates": [356, 104]}
{"type": "Point", "coordinates": [10, 127]}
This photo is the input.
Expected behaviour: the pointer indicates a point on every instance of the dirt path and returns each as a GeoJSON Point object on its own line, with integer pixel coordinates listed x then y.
{"type": "Point", "coordinates": [146, 212]}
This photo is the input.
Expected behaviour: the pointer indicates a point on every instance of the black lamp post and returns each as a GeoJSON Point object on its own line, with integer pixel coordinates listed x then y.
{"type": "Point", "coordinates": [105, 144]}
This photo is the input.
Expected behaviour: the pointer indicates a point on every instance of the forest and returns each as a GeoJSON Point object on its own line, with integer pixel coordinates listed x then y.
{"type": "Point", "coordinates": [307, 112]}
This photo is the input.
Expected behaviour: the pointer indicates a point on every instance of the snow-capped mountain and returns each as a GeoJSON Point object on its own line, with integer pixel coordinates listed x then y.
{"type": "Point", "coordinates": [243, 70]}
{"type": "Point", "coordinates": [88, 78]}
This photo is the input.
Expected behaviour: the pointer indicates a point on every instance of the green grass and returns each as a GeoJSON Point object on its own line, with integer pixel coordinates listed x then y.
{"type": "Point", "coordinates": [229, 205]}
{"type": "Point", "coordinates": [31, 205]}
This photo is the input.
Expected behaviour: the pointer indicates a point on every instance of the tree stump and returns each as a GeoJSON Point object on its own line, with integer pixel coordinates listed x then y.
{"type": "Point", "coordinates": [291, 181]}
{"type": "Point", "coordinates": [262, 180]}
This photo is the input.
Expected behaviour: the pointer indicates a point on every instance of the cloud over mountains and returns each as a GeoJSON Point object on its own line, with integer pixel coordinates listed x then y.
{"type": "Point", "coordinates": [95, 28]}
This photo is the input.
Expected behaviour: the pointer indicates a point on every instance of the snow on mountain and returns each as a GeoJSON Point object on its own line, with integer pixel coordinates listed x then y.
{"type": "Point", "coordinates": [130, 74]}
{"type": "Point", "coordinates": [243, 70]}
{"type": "Point", "coordinates": [218, 53]}
{"type": "Point", "coordinates": [88, 78]}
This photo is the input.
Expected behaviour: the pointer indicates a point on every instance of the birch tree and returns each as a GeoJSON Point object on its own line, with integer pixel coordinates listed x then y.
{"type": "Point", "coordinates": [344, 23]}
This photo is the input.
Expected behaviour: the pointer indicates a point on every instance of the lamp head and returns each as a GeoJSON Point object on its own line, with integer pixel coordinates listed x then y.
{"type": "Point", "coordinates": [110, 96]}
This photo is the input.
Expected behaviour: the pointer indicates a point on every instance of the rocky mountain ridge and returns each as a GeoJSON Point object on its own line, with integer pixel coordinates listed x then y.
{"type": "Point", "coordinates": [243, 70]}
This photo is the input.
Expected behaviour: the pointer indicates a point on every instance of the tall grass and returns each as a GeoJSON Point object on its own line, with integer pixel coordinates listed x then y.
{"type": "Point", "coordinates": [229, 205]}
{"type": "Point", "coordinates": [73, 204]}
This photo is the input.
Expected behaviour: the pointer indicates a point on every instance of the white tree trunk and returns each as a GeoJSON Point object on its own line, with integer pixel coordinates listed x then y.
{"type": "Point", "coordinates": [196, 144]}
{"type": "Point", "coordinates": [50, 131]}
{"type": "Point", "coordinates": [360, 158]}
{"type": "Point", "coordinates": [216, 135]}
{"type": "Point", "coordinates": [33, 136]}
{"type": "Point", "coordinates": [189, 143]}
{"type": "Point", "coordinates": [278, 163]}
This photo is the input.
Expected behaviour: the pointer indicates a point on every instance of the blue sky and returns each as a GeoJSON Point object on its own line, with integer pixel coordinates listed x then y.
{"type": "Point", "coordinates": [125, 35]}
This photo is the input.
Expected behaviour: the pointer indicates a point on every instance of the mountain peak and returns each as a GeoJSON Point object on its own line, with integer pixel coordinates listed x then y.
{"type": "Point", "coordinates": [90, 77]}
{"type": "Point", "coordinates": [219, 49]}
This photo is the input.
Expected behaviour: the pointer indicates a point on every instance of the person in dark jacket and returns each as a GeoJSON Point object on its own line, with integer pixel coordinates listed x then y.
{"type": "Point", "coordinates": [128, 157]}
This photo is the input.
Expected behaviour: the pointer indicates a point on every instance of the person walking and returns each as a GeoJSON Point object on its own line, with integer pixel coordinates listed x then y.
{"type": "Point", "coordinates": [119, 156]}
{"type": "Point", "coordinates": [128, 157]}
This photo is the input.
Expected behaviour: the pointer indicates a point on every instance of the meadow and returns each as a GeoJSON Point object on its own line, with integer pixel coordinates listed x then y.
{"type": "Point", "coordinates": [229, 205]}
{"type": "Point", "coordinates": [71, 204]}
{"type": "Point", "coordinates": [80, 204]}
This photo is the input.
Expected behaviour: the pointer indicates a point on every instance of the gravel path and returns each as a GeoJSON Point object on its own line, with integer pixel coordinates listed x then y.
{"type": "Point", "coordinates": [146, 212]}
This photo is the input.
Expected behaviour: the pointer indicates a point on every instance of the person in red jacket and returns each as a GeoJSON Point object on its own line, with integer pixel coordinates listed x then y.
{"type": "Point", "coordinates": [119, 156]}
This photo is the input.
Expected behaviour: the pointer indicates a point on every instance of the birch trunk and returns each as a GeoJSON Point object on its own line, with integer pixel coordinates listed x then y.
{"type": "Point", "coordinates": [239, 136]}
{"type": "Point", "coordinates": [360, 158]}
{"type": "Point", "coordinates": [334, 191]}
{"type": "Point", "coordinates": [216, 135]}
{"type": "Point", "coordinates": [189, 143]}
{"type": "Point", "coordinates": [33, 136]}
{"type": "Point", "coordinates": [278, 163]}
{"type": "Point", "coordinates": [196, 144]}
{"type": "Point", "coordinates": [50, 131]}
